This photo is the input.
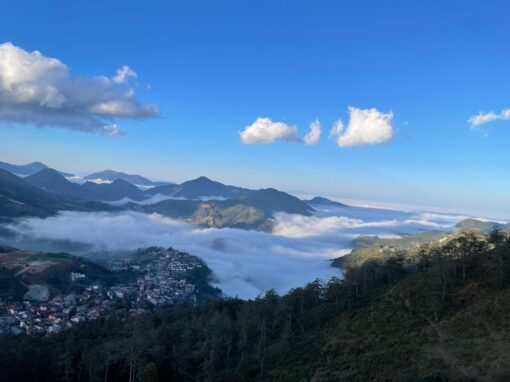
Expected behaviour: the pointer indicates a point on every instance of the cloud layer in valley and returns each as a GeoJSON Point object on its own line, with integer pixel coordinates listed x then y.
{"type": "Point", "coordinates": [36, 89]}
{"type": "Point", "coordinates": [365, 127]}
{"type": "Point", "coordinates": [244, 263]}
{"type": "Point", "coordinates": [264, 131]}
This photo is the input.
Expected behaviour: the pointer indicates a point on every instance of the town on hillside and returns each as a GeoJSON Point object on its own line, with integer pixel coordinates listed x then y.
{"type": "Point", "coordinates": [150, 279]}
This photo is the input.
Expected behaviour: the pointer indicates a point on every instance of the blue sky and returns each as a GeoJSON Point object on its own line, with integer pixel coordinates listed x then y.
{"type": "Point", "coordinates": [214, 67]}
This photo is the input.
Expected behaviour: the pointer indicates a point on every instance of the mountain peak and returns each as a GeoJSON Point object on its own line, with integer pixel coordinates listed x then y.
{"type": "Point", "coordinates": [36, 163]}
{"type": "Point", "coordinates": [319, 200]}
{"type": "Point", "coordinates": [203, 179]}
{"type": "Point", "coordinates": [47, 173]}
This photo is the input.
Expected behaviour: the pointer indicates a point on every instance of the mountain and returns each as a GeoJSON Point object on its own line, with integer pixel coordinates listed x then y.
{"type": "Point", "coordinates": [270, 201]}
{"type": "Point", "coordinates": [19, 198]}
{"type": "Point", "coordinates": [214, 213]}
{"type": "Point", "coordinates": [111, 176]}
{"type": "Point", "coordinates": [52, 181]}
{"type": "Point", "coordinates": [320, 201]}
{"type": "Point", "coordinates": [167, 189]}
{"type": "Point", "coordinates": [110, 192]}
{"type": "Point", "coordinates": [370, 248]}
{"type": "Point", "coordinates": [267, 200]}
{"type": "Point", "coordinates": [199, 188]}
{"type": "Point", "coordinates": [254, 210]}
{"type": "Point", "coordinates": [483, 225]}
{"type": "Point", "coordinates": [27, 169]}
{"type": "Point", "coordinates": [234, 207]}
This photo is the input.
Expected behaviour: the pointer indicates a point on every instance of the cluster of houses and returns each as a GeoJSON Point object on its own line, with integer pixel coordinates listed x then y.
{"type": "Point", "coordinates": [162, 281]}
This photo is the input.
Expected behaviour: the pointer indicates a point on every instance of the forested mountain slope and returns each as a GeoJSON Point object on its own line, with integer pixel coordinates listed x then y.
{"type": "Point", "coordinates": [443, 315]}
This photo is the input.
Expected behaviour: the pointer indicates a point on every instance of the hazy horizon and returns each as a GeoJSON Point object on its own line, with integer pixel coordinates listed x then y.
{"type": "Point", "coordinates": [354, 201]}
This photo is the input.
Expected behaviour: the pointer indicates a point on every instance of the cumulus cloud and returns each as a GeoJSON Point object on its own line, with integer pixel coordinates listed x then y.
{"type": "Point", "coordinates": [484, 118]}
{"type": "Point", "coordinates": [124, 74]}
{"type": "Point", "coordinates": [264, 131]}
{"type": "Point", "coordinates": [365, 127]}
{"type": "Point", "coordinates": [39, 90]}
{"type": "Point", "coordinates": [314, 134]}
{"type": "Point", "coordinates": [336, 130]}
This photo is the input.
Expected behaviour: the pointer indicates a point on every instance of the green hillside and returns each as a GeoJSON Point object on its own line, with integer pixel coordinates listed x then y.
{"type": "Point", "coordinates": [483, 225]}
{"type": "Point", "coordinates": [19, 269]}
{"type": "Point", "coordinates": [367, 248]}
{"type": "Point", "coordinates": [254, 211]}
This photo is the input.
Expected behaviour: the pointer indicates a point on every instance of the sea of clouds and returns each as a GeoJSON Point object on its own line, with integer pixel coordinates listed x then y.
{"type": "Point", "coordinates": [159, 198]}
{"type": "Point", "coordinates": [244, 263]}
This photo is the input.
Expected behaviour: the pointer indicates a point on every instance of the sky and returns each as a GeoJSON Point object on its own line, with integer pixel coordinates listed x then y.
{"type": "Point", "coordinates": [229, 89]}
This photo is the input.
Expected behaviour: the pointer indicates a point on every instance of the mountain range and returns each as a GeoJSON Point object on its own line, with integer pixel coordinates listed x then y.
{"type": "Point", "coordinates": [111, 176]}
{"type": "Point", "coordinates": [52, 181]}
{"type": "Point", "coordinates": [26, 169]}
{"type": "Point", "coordinates": [201, 187]}
{"type": "Point", "coordinates": [199, 201]}
{"type": "Point", "coordinates": [106, 176]}
{"type": "Point", "coordinates": [19, 198]}
{"type": "Point", "coordinates": [253, 210]}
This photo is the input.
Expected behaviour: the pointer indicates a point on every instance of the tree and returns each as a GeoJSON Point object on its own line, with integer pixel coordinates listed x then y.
{"type": "Point", "coordinates": [150, 373]}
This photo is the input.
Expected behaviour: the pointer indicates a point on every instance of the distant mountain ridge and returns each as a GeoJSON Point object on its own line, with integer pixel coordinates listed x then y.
{"type": "Point", "coordinates": [137, 180]}
{"type": "Point", "coordinates": [483, 225]}
{"type": "Point", "coordinates": [26, 169]}
{"type": "Point", "coordinates": [19, 198]}
{"type": "Point", "coordinates": [117, 190]}
{"type": "Point", "coordinates": [199, 201]}
{"type": "Point", "coordinates": [52, 181]}
{"type": "Point", "coordinates": [254, 210]}
{"type": "Point", "coordinates": [320, 201]}
{"type": "Point", "coordinates": [270, 201]}
{"type": "Point", "coordinates": [199, 188]}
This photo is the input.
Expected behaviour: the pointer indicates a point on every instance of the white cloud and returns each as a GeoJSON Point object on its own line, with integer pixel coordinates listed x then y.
{"type": "Point", "coordinates": [336, 130]}
{"type": "Point", "coordinates": [264, 130]}
{"type": "Point", "coordinates": [39, 90]}
{"type": "Point", "coordinates": [366, 127]}
{"type": "Point", "coordinates": [113, 130]}
{"type": "Point", "coordinates": [314, 134]}
{"type": "Point", "coordinates": [484, 118]}
{"type": "Point", "coordinates": [299, 226]}
{"type": "Point", "coordinates": [244, 262]}
{"type": "Point", "coordinates": [124, 74]}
